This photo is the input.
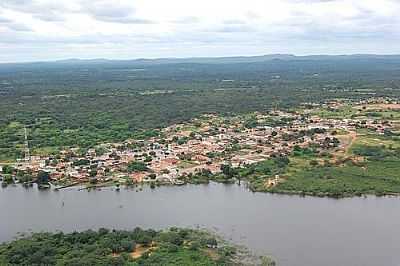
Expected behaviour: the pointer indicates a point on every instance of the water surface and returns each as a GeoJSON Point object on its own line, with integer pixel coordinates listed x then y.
{"type": "Point", "coordinates": [294, 230]}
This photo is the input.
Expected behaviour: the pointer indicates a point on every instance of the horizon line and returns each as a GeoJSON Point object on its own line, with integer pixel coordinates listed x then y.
{"type": "Point", "coordinates": [66, 59]}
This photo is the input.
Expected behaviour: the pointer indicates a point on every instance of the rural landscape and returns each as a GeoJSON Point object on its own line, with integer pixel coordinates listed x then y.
{"type": "Point", "coordinates": [335, 149]}
{"type": "Point", "coordinates": [254, 122]}
{"type": "Point", "coordinates": [317, 142]}
{"type": "Point", "coordinates": [199, 133]}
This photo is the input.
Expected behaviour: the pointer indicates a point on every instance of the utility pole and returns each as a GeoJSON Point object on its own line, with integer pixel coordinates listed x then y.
{"type": "Point", "coordinates": [27, 153]}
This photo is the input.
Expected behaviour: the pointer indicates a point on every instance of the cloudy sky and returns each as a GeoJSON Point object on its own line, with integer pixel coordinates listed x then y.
{"type": "Point", "coordinates": [32, 30]}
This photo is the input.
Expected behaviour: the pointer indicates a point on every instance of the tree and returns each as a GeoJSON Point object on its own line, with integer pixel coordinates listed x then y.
{"type": "Point", "coordinates": [182, 141]}
{"type": "Point", "coordinates": [128, 246]}
{"type": "Point", "coordinates": [24, 176]}
{"type": "Point", "coordinates": [8, 179]}
{"type": "Point", "coordinates": [43, 177]}
{"type": "Point", "coordinates": [81, 162]}
{"type": "Point", "coordinates": [228, 170]}
{"type": "Point", "coordinates": [7, 169]}
{"type": "Point", "coordinates": [251, 123]}
{"type": "Point", "coordinates": [137, 166]}
{"type": "Point", "coordinates": [267, 261]}
{"type": "Point", "coordinates": [93, 172]}
{"type": "Point", "coordinates": [281, 161]}
{"type": "Point", "coordinates": [144, 239]}
{"type": "Point", "coordinates": [172, 237]}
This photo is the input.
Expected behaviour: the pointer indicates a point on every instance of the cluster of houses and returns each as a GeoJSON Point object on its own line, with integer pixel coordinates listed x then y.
{"type": "Point", "coordinates": [204, 143]}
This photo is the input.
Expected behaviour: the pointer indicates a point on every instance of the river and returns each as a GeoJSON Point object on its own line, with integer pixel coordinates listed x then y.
{"type": "Point", "coordinates": [296, 231]}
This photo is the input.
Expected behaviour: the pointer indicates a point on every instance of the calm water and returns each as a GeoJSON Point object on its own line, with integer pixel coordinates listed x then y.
{"type": "Point", "coordinates": [296, 231]}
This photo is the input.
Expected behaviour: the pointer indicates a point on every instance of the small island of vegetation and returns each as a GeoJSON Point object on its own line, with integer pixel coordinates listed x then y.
{"type": "Point", "coordinates": [117, 247]}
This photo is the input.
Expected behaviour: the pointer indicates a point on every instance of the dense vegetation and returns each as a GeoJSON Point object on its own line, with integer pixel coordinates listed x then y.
{"type": "Point", "coordinates": [105, 247]}
{"type": "Point", "coordinates": [85, 103]}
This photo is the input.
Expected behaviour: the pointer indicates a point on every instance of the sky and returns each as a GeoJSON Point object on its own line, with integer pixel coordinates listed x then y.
{"type": "Point", "coordinates": [41, 30]}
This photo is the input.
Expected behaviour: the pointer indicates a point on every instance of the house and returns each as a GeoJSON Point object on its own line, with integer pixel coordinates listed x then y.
{"type": "Point", "coordinates": [138, 176]}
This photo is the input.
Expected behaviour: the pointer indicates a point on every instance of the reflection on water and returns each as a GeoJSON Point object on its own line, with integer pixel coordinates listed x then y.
{"type": "Point", "coordinates": [294, 230]}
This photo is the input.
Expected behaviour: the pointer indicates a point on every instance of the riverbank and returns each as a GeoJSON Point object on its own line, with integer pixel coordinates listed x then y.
{"type": "Point", "coordinates": [291, 186]}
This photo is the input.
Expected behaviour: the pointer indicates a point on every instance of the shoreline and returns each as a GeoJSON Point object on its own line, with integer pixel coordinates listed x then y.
{"type": "Point", "coordinates": [140, 186]}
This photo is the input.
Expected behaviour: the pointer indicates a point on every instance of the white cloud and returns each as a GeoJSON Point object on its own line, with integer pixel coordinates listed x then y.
{"type": "Point", "coordinates": [113, 11]}
{"type": "Point", "coordinates": [48, 29]}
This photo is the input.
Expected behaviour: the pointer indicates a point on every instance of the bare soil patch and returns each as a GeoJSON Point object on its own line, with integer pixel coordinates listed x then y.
{"type": "Point", "coordinates": [140, 250]}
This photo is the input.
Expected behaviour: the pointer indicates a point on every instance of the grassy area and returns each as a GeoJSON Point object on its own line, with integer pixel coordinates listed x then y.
{"type": "Point", "coordinates": [380, 178]}
{"type": "Point", "coordinates": [44, 151]}
{"type": "Point", "coordinates": [345, 111]}
{"type": "Point", "coordinates": [186, 164]}
{"type": "Point", "coordinates": [376, 171]}
{"type": "Point", "coordinates": [11, 142]}
{"type": "Point", "coordinates": [371, 139]}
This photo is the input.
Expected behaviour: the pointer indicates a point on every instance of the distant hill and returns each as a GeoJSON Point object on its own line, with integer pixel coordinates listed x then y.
{"type": "Point", "coordinates": [217, 60]}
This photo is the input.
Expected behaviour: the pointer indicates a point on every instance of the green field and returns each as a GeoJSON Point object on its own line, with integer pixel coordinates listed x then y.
{"type": "Point", "coordinates": [377, 173]}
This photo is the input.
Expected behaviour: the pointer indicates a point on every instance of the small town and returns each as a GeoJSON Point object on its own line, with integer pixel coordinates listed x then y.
{"type": "Point", "coordinates": [203, 145]}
